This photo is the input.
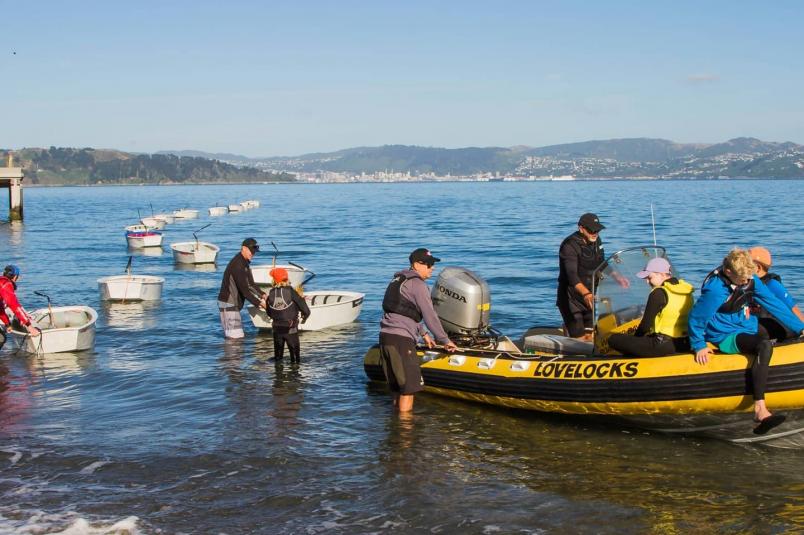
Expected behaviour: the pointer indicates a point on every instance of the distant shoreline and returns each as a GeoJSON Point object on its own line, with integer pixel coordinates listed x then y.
{"type": "Point", "coordinates": [453, 180]}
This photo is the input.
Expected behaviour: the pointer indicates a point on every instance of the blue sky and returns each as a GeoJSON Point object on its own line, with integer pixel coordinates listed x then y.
{"type": "Point", "coordinates": [269, 79]}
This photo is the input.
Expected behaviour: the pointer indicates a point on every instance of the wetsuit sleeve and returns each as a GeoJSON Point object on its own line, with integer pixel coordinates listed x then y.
{"type": "Point", "coordinates": [245, 285]}
{"type": "Point", "coordinates": [568, 258]}
{"type": "Point", "coordinates": [657, 300]}
{"type": "Point", "coordinates": [301, 303]}
{"type": "Point", "coordinates": [704, 309]}
{"type": "Point", "coordinates": [3, 317]}
{"type": "Point", "coordinates": [421, 297]}
{"type": "Point", "coordinates": [8, 297]}
{"type": "Point", "coordinates": [777, 308]}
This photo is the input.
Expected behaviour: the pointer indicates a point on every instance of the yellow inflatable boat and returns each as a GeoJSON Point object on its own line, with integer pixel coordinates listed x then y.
{"type": "Point", "coordinates": [545, 371]}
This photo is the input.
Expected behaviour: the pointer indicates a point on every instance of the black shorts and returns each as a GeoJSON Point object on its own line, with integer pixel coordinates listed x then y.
{"type": "Point", "coordinates": [400, 363]}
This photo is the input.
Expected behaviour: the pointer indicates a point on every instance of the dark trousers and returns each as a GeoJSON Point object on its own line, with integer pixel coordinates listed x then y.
{"type": "Point", "coordinates": [286, 335]}
{"type": "Point", "coordinates": [577, 317]}
{"type": "Point", "coordinates": [776, 330]}
{"type": "Point", "coordinates": [760, 346]}
{"type": "Point", "coordinates": [647, 346]}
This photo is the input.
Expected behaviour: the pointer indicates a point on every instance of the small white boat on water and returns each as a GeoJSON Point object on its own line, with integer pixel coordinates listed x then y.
{"type": "Point", "coordinates": [194, 252]}
{"type": "Point", "coordinates": [167, 218]}
{"type": "Point", "coordinates": [328, 308]}
{"type": "Point", "coordinates": [262, 274]}
{"type": "Point", "coordinates": [153, 222]}
{"type": "Point", "coordinates": [218, 210]}
{"type": "Point", "coordinates": [186, 213]}
{"type": "Point", "coordinates": [251, 203]}
{"type": "Point", "coordinates": [69, 328]}
{"type": "Point", "coordinates": [139, 236]}
{"type": "Point", "coordinates": [235, 208]}
{"type": "Point", "coordinates": [130, 287]}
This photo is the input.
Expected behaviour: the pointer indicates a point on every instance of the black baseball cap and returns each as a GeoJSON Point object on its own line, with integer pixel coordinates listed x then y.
{"type": "Point", "coordinates": [424, 256]}
{"type": "Point", "coordinates": [252, 245]}
{"type": "Point", "coordinates": [590, 222]}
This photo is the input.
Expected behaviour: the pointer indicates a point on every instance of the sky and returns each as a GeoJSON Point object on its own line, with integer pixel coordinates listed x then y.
{"type": "Point", "coordinates": [287, 78]}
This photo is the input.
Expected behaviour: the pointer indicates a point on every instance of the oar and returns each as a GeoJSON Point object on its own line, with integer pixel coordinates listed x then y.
{"type": "Point", "coordinates": [196, 237]}
{"type": "Point", "coordinates": [276, 253]}
{"type": "Point", "coordinates": [128, 266]}
{"type": "Point", "coordinates": [308, 279]}
{"type": "Point", "coordinates": [49, 308]}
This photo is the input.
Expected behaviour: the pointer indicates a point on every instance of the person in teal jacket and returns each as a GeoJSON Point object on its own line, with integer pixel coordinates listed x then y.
{"type": "Point", "coordinates": [722, 315]}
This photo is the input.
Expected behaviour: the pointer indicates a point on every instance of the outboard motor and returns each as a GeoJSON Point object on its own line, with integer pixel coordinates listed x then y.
{"type": "Point", "coordinates": [462, 301]}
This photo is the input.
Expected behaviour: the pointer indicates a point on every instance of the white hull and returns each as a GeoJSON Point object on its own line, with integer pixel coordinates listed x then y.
{"type": "Point", "coordinates": [70, 328]}
{"type": "Point", "coordinates": [186, 213]}
{"type": "Point", "coordinates": [327, 309]}
{"type": "Point", "coordinates": [191, 252]}
{"type": "Point", "coordinates": [139, 236]}
{"type": "Point", "coordinates": [153, 222]}
{"type": "Point", "coordinates": [218, 210]}
{"type": "Point", "coordinates": [262, 277]}
{"type": "Point", "coordinates": [167, 218]}
{"type": "Point", "coordinates": [235, 208]}
{"type": "Point", "coordinates": [131, 288]}
{"type": "Point", "coordinates": [251, 203]}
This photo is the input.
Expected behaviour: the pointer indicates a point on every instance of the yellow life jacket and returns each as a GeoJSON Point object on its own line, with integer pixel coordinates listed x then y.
{"type": "Point", "coordinates": [672, 319]}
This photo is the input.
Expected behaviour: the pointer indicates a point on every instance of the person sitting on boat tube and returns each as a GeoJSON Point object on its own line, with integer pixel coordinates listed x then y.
{"type": "Point", "coordinates": [762, 260]}
{"type": "Point", "coordinates": [579, 256]}
{"type": "Point", "coordinates": [663, 328]}
{"type": "Point", "coordinates": [8, 285]}
{"type": "Point", "coordinates": [722, 316]}
{"type": "Point", "coordinates": [284, 305]}
{"type": "Point", "coordinates": [406, 303]}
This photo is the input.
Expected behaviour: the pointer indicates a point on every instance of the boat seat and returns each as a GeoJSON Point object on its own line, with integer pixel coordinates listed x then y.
{"type": "Point", "coordinates": [554, 343]}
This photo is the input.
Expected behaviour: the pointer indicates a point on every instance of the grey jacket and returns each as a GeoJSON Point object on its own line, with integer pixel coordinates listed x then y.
{"type": "Point", "coordinates": [417, 292]}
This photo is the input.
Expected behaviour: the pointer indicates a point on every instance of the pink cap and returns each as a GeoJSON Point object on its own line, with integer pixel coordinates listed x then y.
{"type": "Point", "coordinates": [655, 265]}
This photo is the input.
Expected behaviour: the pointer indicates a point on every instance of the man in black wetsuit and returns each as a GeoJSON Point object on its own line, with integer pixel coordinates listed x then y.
{"type": "Point", "coordinates": [579, 255]}
{"type": "Point", "coordinates": [238, 286]}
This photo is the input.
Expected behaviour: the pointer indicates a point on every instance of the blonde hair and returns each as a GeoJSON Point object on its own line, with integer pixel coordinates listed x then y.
{"type": "Point", "coordinates": [739, 262]}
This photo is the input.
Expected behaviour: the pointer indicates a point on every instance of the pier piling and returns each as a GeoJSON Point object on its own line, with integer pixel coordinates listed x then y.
{"type": "Point", "coordinates": [11, 178]}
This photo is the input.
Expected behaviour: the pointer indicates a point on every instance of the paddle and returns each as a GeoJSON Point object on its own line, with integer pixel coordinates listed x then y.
{"type": "Point", "coordinates": [197, 247]}
{"type": "Point", "coordinates": [308, 279]}
{"type": "Point", "coordinates": [49, 308]}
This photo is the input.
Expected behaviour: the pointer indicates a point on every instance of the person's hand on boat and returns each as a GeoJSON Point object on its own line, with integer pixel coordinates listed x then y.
{"type": "Point", "coordinates": [428, 340]}
{"type": "Point", "coordinates": [450, 346]}
{"type": "Point", "coordinates": [589, 300]}
{"type": "Point", "coordinates": [702, 356]}
{"type": "Point", "coordinates": [33, 331]}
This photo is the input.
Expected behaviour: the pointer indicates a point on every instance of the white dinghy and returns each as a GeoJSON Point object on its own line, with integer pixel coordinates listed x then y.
{"type": "Point", "coordinates": [251, 203]}
{"type": "Point", "coordinates": [195, 252]}
{"type": "Point", "coordinates": [139, 236]}
{"type": "Point", "coordinates": [328, 308]}
{"type": "Point", "coordinates": [262, 274]}
{"type": "Point", "coordinates": [167, 218]}
{"type": "Point", "coordinates": [186, 213]}
{"type": "Point", "coordinates": [235, 208]}
{"type": "Point", "coordinates": [130, 287]}
{"type": "Point", "coordinates": [153, 223]}
{"type": "Point", "coordinates": [63, 329]}
{"type": "Point", "coordinates": [218, 210]}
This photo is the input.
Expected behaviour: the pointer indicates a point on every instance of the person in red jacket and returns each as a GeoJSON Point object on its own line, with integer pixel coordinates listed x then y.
{"type": "Point", "coordinates": [8, 285]}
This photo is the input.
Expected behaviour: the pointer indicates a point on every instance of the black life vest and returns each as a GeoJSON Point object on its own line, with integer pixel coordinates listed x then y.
{"type": "Point", "coordinates": [393, 302]}
{"type": "Point", "coordinates": [281, 307]}
{"type": "Point", "coordinates": [739, 298]}
{"type": "Point", "coordinates": [766, 278]}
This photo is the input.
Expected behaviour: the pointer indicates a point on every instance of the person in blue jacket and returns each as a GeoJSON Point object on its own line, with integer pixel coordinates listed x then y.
{"type": "Point", "coordinates": [762, 260]}
{"type": "Point", "coordinates": [722, 315]}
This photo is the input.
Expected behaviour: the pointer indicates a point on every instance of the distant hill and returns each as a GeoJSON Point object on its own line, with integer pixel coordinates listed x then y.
{"type": "Point", "coordinates": [88, 166]}
{"type": "Point", "coordinates": [621, 158]}
{"type": "Point", "coordinates": [222, 156]}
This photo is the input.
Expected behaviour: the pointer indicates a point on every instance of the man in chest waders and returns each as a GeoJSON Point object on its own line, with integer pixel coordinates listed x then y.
{"type": "Point", "coordinates": [406, 303]}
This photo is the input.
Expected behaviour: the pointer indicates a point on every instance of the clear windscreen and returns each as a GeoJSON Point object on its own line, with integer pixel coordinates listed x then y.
{"type": "Point", "coordinates": [621, 295]}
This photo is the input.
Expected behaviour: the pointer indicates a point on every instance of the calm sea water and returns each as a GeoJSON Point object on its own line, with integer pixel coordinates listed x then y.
{"type": "Point", "coordinates": [164, 428]}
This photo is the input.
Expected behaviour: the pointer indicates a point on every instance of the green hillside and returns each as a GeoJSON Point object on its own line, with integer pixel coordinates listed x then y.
{"type": "Point", "coordinates": [68, 166]}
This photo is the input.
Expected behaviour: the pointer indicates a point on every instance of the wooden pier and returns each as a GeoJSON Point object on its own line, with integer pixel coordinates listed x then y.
{"type": "Point", "coordinates": [11, 178]}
